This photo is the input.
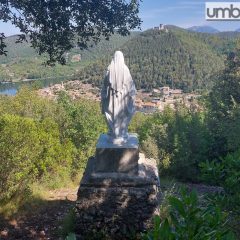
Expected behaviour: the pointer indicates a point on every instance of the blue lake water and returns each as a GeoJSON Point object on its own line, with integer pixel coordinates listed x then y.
{"type": "Point", "coordinates": [9, 92]}
{"type": "Point", "coordinates": [11, 89]}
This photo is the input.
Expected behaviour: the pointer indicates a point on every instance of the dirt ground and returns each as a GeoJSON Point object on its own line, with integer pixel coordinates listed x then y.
{"type": "Point", "coordinates": [42, 223]}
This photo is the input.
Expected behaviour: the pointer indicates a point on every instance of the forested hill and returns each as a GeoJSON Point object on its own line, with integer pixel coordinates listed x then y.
{"type": "Point", "coordinates": [23, 51]}
{"type": "Point", "coordinates": [177, 58]}
{"type": "Point", "coordinates": [22, 62]}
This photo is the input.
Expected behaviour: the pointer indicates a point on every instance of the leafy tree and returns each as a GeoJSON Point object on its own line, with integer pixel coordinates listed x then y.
{"type": "Point", "coordinates": [224, 107]}
{"type": "Point", "coordinates": [83, 125]}
{"type": "Point", "coordinates": [182, 141]}
{"type": "Point", "coordinates": [54, 26]}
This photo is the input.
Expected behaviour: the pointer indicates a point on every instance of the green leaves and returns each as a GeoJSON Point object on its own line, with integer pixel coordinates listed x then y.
{"type": "Point", "coordinates": [178, 205]}
{"type": "Point", "coordinates": [186, 219]}
{"type": "Point", "coordinates": [178, 139]}
{"type": "Point", "coordinates": [29, 150]}
{"type": "Point", "coordinates": [224, 107]}
{"type": "Point", "coordinates": [54, 27]}
{"type": "Point", "coordinates": [161, 230]}
{"type": "Point", "coordinates": [2, 44]}
{"type": "Point", "coordinates": [226, 173]}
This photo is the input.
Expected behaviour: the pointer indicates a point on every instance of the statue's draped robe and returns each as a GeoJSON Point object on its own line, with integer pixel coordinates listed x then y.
{"type": "Point", "coordinates": [118, 96]}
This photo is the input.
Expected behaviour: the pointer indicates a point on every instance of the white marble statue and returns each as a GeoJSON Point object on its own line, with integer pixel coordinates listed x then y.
{"type": "Point", "coordinates": [118, 99]}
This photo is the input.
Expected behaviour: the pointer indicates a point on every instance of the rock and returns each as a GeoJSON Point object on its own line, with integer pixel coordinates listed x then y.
{"type": "Point", "coordinates": [4, 233]}
{"type": "Point", "coordinates": [42, 234]}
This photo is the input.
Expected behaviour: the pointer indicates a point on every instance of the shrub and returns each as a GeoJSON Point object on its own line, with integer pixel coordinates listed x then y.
{"type": "Point", "coordinates": [182, 141]}
{"type": "Point", "coordinates": [68, 226]}
{"type": "Point", "coordinates": [83, 125]}
{"type": "Point", "coordinates": [186, 219]}
{"type": "Point", "coordinates": [150, 148]}
{"type": "Point", "coordinates": [226, 173]}
{"type": "Point", "coordinates": [19, 150]}
{"type": "Point", "coordinates": [30, 150]}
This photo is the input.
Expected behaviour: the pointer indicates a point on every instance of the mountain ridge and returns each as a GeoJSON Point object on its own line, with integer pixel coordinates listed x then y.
{"type": "Point", "coordinates": [155, 57]}
{"type": "Point", "coordinates": [203, 29]}
{"type": "Point", "coordinates": [158, 58]}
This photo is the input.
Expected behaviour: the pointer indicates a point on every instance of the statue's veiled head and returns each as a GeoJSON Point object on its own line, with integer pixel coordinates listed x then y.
{"type": "Point", "coordinates": [118, 58]}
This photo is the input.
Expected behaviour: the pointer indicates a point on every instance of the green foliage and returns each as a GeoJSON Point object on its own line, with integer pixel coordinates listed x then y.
{"type": "Point", "coordinates": [83, 125]}
{"type": "Point", "coordinates": [186, 219]}
{"type": "Point", "coordinates": [57, 26]}
{"type": "Point", "coordinates": [137, 121]}
{"type": "Point", "coordinates": [154, 59]}
{"type": "Point", "coordinates": [45, 141]}
{"type": "Point", "coordinates": [226, 173]}
{"type": "Point", "coordinates": [224, 108]}
{"type": "Point", "coordinates": [68, 226]}
{"type": "Point", "coordinates": [19, 151]}
{"type": "Point", "coordinates": [181, 138]}
{"type": "Point", "coordinates": [71, 236]}
{"type": "Point", "coordinates": [30, 150]}
{"type": "Point", "coordinates": [223, 118]}
{"type": "Point", "coordinates": [27, 104]}
{"type": "Point", "coordinates": [150, 148]}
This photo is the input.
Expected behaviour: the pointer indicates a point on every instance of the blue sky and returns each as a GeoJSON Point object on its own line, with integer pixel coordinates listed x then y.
{"type": "Point", "coordinates": [183, 13]}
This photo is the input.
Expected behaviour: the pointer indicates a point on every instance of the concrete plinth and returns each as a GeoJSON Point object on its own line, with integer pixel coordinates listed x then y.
{"type": "Point", "coordinates": [116, 205]}
{"type": "Point", "coordinates": [117, 158]}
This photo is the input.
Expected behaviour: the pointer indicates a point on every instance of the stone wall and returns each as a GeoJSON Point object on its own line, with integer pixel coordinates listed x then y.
{"type": "Point", "coordinates": [117, 206]}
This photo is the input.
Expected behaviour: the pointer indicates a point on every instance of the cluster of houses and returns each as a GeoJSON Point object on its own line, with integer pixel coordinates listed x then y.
{"type": "Point", "coordinates": [75, 89]}
{"type": "Point", "coordinates": [158, 99]}
{"type": "Point", "coordinates": [147, 102]}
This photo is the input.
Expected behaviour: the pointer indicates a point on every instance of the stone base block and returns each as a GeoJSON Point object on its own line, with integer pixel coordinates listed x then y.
{"type": "Point", "coordinates": [116, 205]}
{"type": "Point", "coordinates": [121, 158]}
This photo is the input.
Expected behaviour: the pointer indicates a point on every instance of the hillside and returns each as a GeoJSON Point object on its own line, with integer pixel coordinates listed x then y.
{"type": "Point", "coordinates": [22, 62]}
{"type": "Point", "coordinates": [179, 58]}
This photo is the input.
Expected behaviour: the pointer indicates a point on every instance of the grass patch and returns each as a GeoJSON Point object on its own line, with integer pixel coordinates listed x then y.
{"type": "Point", "coordinates": [35, 196]}
{"type": "Point", "coordinates": [68, 225]}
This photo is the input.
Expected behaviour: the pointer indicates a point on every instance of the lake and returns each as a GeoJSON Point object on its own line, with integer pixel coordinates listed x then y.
{"type": "Point", "coordinates": [11, 89]}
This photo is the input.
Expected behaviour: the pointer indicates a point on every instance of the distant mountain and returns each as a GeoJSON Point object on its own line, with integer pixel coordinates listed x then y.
{"type": "Point", "coordinates": [203, 29]}
{"type": "Point", "coordinates": [238, 30]}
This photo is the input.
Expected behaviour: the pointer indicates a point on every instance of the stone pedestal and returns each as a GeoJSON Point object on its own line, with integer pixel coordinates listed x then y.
{"type": "Point", "coordinates": [122, 158]}
{"type": "Point", "coordinates": [116, 205]}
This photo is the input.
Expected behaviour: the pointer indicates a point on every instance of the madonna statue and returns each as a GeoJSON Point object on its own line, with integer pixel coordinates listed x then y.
{"type": "Point", "coordinates": [118, 98]}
